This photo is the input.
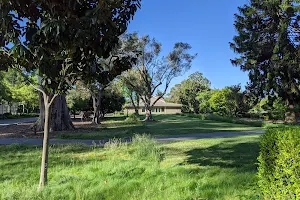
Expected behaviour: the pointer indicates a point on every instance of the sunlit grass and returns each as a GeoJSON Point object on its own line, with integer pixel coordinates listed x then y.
{"type": "Point", "coordinates": [199, 169]}
{"type": "Point", "coordinates": [164, 125]}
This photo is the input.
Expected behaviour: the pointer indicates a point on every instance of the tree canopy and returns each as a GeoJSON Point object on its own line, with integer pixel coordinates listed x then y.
{"type": "Point", "coordinates": [63, 40]}
{"type": "Point", "coordinates": [268, 42]}
{"type": "Point", "coordinates": [154, 71]}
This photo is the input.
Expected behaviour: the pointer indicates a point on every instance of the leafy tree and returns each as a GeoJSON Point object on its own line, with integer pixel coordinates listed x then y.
{"type": "Point", "coordinates": [187, 91]}
{"type": "Point", "coordinates": [155, 71]}
{"type": "Point", "coordinates": [62, 40]}
{"type": "Point", "coordinates": [203, 100]}
{"type": "Point", "coordinates": [112, 99]}
{"type": "Point", "coordinates": [21, 92]}
{"type": "Point", "coordinates": [268, 41]}
{"type": "Point", "coordinates": [127, 81]}
{"type": "Point", "coordinates": [122, 58]}
{"type": "Point", "coordinates": [78, 98]}
{"type": "Point", "coordinates": [225, 102]}
{"type": "Point", "coordinates": [5, 93]}
{"type": "Point", "coordinates": [271, 107]}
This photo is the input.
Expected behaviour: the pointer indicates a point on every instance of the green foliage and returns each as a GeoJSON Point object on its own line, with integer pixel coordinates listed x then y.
{"type": "Point", "coordinates": [5, 93]}
{"type": "Point", "coordinates": [226, 119]}
{"type": "Point", "coordinates": [112, 99]}
{"type": "Point", "coordinates": [78, 98]}
{"type": "Point", "coordinates": [223, 102]}
{"type": "Point", "coordinates": [187, 92]}
{"type": "Point", "coordinates": [270, 108]}
{"type": "Point", "coordinates": [18, 89]}
{"type": "Point", "coordinates": [268, 43]}
{"type": "Point", "coordinates": [279, 164]}
{"type": "Point", "coordinates": [62, 46]}
{"type": "Point", "coordinates": [154, 71]}
{"type": "Point", "coordinates": [133, 118]}
{"type": "Point", "coordinates": [203, 99]}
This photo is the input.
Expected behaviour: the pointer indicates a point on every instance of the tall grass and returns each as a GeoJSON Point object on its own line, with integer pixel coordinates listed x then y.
{"type": "Point", "coordinates": [201, 169]}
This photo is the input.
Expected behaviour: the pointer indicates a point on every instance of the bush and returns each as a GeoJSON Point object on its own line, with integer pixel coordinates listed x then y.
{"type": "Point", "coordinates": [132, 119]}
{"type": "Point", "coordinates": [279, 164]}
{"type": "Point", "coordinates": [226, 119]}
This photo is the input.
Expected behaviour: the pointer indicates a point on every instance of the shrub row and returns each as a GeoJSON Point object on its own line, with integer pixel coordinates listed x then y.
{"type": "Point", "coordinates": [226, 119]}
{"type": "Point", "coordinates": [279, 164]}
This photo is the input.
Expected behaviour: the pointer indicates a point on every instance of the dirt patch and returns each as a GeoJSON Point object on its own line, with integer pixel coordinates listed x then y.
{"type": "Point", "coordinates": [24, 130]}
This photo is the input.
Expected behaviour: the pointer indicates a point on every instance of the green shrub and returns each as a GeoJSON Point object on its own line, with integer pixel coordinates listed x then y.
{"type": "Point", "coordinates": [279, 164]}
{"type": "Point", "coordinates": [226, 119]}
{"type": "Point", "coordinates": [132, 119]}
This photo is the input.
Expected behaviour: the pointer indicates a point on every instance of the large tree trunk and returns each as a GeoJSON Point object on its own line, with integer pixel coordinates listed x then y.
{"type": "Point", "coordinates": [60, 119]}
{"type": "Point", "coordinates": [148, 108]}
{"type": "Point", "coordinates": [290, 116]}
{"type": "Point", "coordinates": [148, 114]}
{"type": "Point", "coordinates": [136, 110]}
{"type": "Point", "coordinates": [97, 107]}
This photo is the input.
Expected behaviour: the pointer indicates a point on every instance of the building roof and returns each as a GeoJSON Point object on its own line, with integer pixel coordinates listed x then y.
{"type": "Point", "coordinates": [160, 103]}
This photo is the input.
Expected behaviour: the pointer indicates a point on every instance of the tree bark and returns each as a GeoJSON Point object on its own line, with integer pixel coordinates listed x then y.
{"type": "Point", "coordinates": [136, 110]}
{"type": "Point", "coordinates": [60, 119]}
{"type": "Point", "coordinates": [290, 115]}
{"type": "Point", "coordinates": [148, 109]}
{"type": "Point", "coordinates": [97, 106]}
{"type": "Point", "coordinates": [44, 164]}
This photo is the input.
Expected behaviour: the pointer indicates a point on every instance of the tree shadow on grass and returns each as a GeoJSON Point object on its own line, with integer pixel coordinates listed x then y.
{"type": "Point", "coordinates": [242, 156]}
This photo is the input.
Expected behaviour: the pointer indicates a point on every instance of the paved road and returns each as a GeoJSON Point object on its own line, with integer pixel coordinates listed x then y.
{"type": "Point", "coordinates": [6, 122]}
{"type": "Point", "coordinates": [173, 138]}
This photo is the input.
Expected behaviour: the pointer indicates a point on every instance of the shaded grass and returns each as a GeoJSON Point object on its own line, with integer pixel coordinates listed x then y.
{"type": "Point", "coordinates": [200, 169]}
{"type": "Point", "coordinates": [164, 125]}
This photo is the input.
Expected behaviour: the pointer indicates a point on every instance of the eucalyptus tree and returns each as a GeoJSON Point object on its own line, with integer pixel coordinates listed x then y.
{"type": "Point", "coordinates": [268, 41]}
{"type": "Point", "coordinates": [155, 71]}
{"type": "Point", "coordinates": [123, 57]}
{"type": "Point", "coordinates": [62, 40]}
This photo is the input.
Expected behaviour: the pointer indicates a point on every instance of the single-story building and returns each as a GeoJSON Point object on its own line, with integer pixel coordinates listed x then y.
{"type": "Point", "coordinates": [5, 108]}
{"type": "Point", "coordinates": [160, 107]}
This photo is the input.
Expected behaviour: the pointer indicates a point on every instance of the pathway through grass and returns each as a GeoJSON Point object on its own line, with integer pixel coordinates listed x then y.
{"type": "Point", "coordinates": [200, 169]}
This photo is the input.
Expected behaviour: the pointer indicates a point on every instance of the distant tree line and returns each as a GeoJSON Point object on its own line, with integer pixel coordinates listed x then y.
{"type": "Point", "coordinates": [197, 96]}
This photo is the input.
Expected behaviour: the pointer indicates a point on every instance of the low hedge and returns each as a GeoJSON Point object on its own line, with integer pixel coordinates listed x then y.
{"type": "Point", "coordinates": [279, 164]}
{"type": "Point", "coordinates": [226, 119]}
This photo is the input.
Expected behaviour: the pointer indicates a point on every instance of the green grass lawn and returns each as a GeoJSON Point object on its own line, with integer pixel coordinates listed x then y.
{"type": "Point", "coordinates": [200, 169]}
{"type": "Point", "coordinates": [164, 125]}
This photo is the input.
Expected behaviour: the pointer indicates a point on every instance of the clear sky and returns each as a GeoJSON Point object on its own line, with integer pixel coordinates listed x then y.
{"type": "Point", "coordinates": [206, 25]}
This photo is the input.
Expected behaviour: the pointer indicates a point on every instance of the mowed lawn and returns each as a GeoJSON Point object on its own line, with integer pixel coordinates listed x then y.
{"type": "Point", "coordinates": [164, 125]}
{"type": "Point", "coordinates": [199, 169]}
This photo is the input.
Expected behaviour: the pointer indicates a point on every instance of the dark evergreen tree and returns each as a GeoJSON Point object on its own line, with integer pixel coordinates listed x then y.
{"type": "Point", "coordinates": [268, 42]}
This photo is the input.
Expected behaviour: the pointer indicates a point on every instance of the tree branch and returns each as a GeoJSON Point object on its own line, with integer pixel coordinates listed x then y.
{"type": "Point", "coordinates": [165, 91]}
{"type": "Point", "coordinates": [52, 99]}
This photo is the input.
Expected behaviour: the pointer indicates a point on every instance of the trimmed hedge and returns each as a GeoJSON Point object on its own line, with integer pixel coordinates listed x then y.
{"type": "Point", "coordinates": [226, 119]}
{"type": "Point", "coordinates": [279, 164]}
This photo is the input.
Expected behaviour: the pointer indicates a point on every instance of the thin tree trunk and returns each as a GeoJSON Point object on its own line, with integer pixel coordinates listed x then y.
{"type": "Point", "coordinates": [44, 164]}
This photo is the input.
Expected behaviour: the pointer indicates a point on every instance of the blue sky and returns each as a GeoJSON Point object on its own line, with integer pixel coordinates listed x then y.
{"type": "Point", "coordinates": [206, 25]}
